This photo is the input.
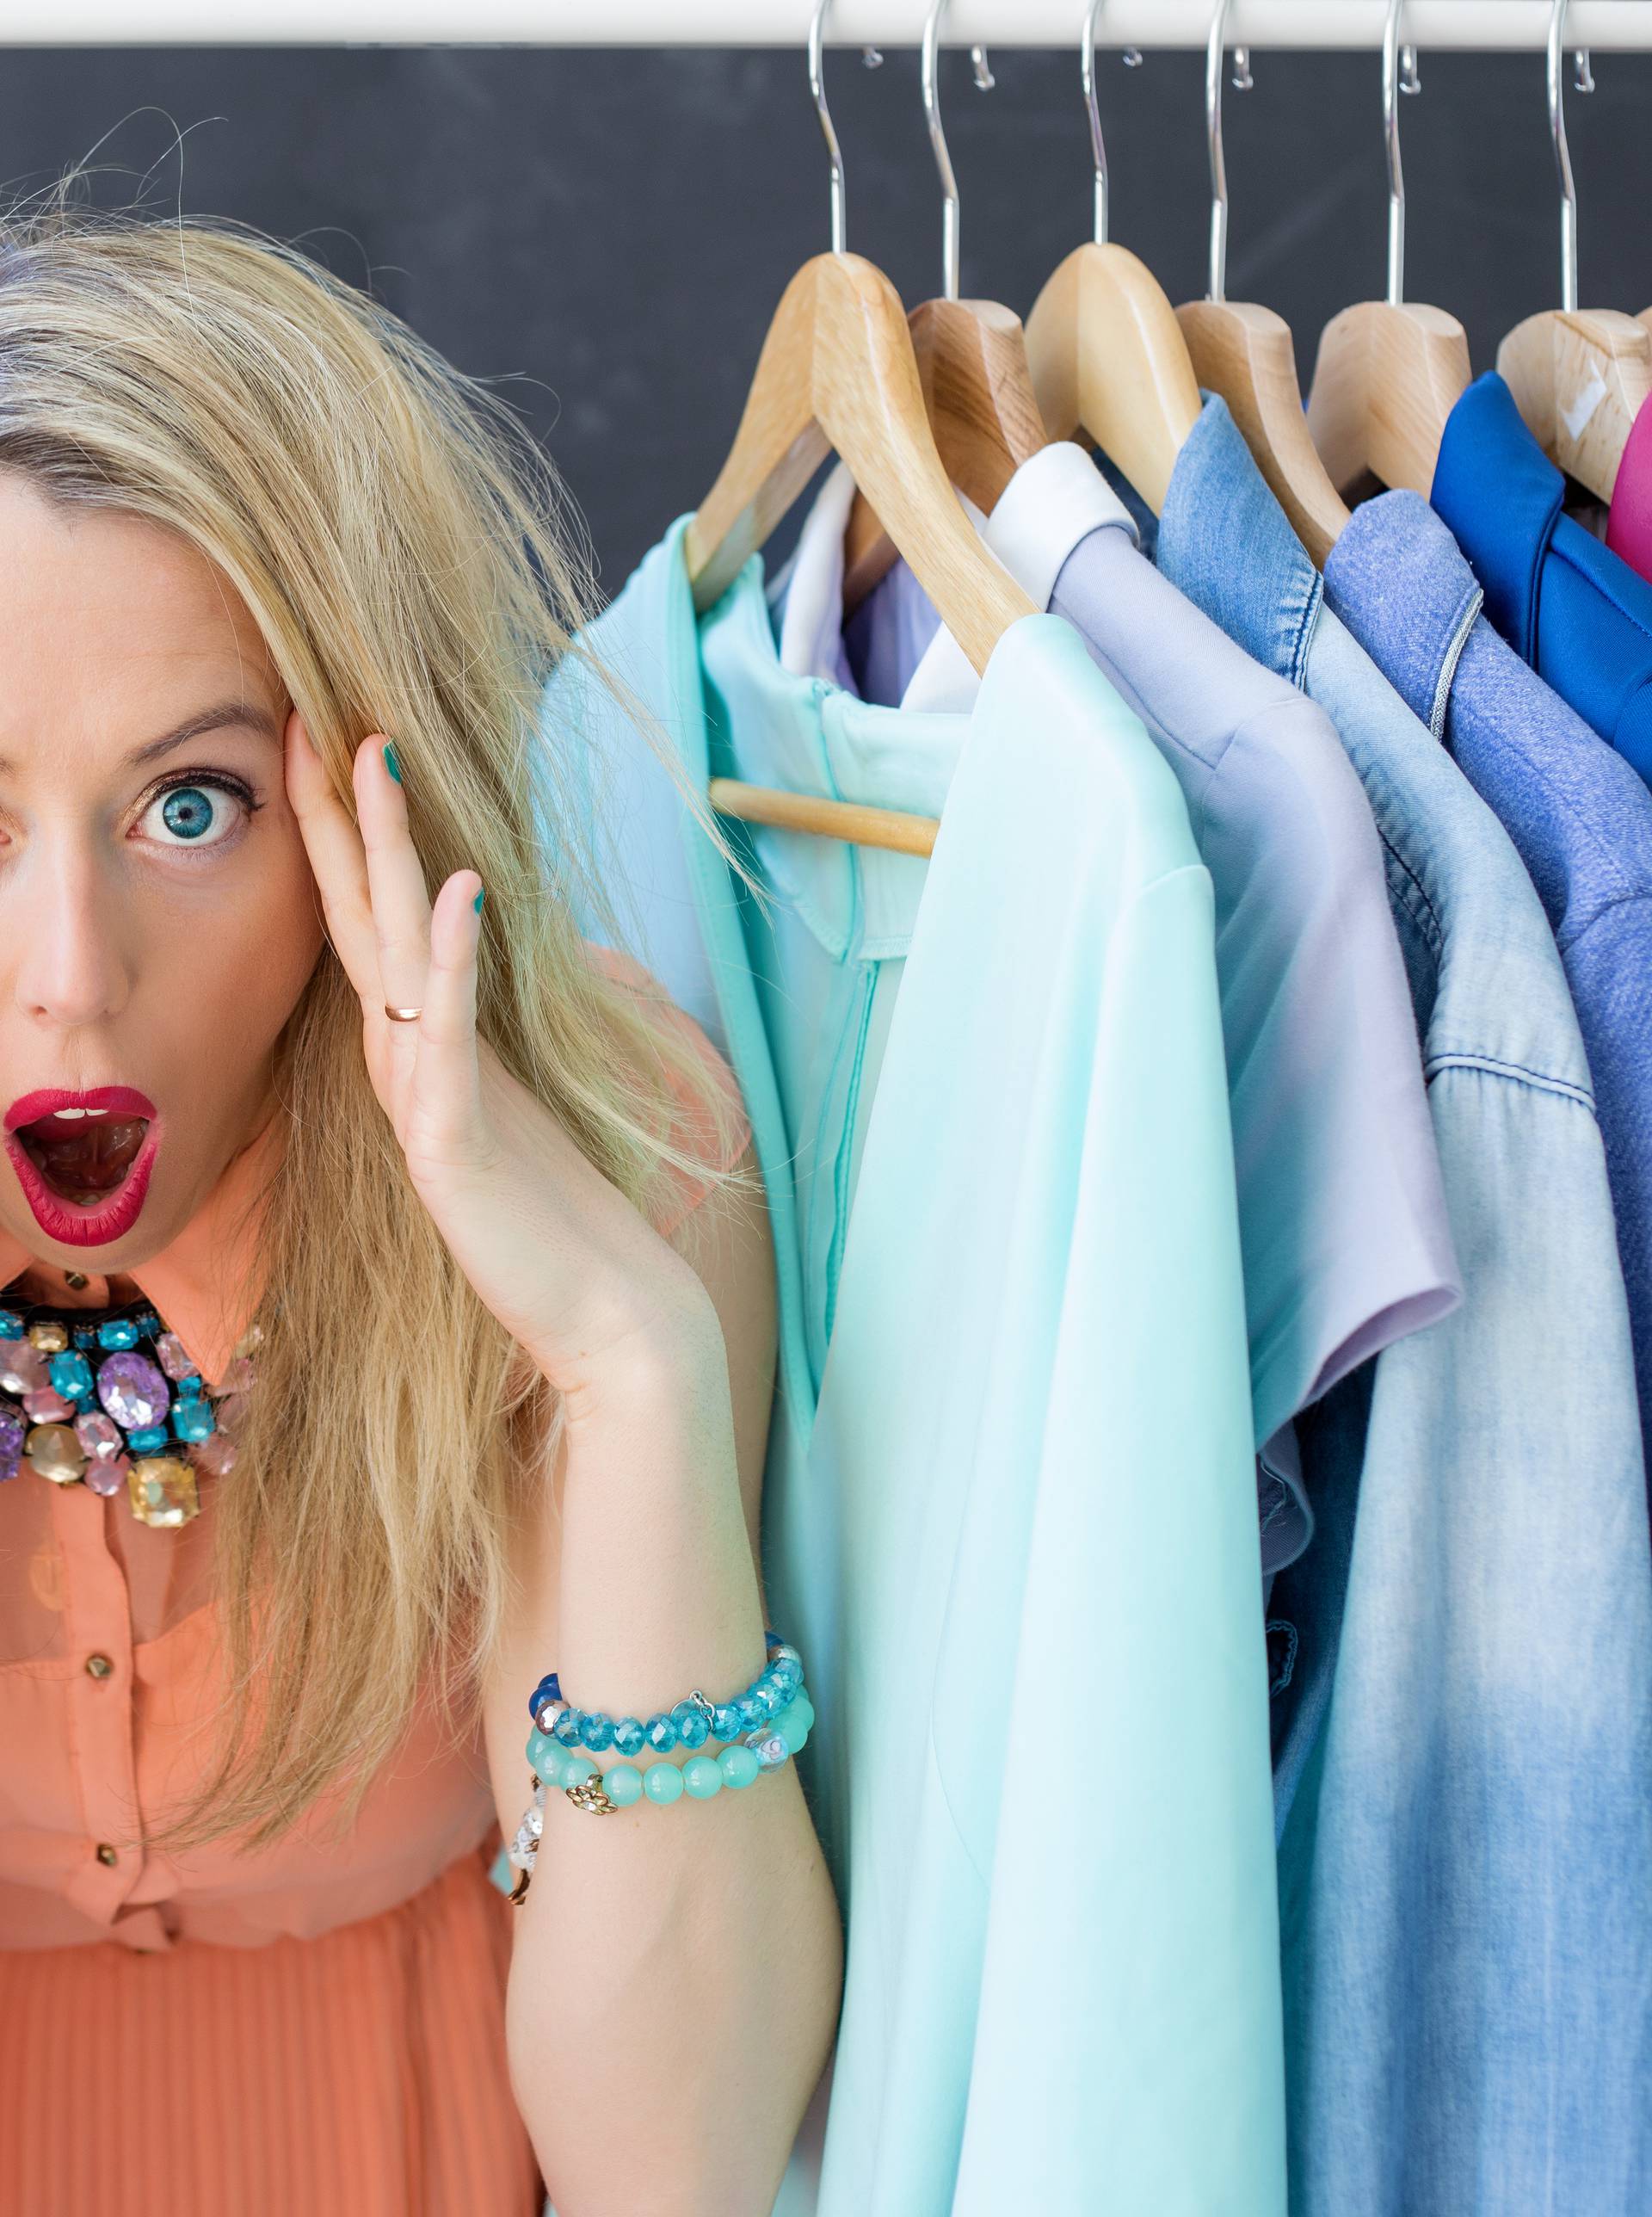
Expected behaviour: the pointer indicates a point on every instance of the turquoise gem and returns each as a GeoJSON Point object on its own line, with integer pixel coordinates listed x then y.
{"type": "Point", "coordinates": [725, 1722]}
{"type": "Point", "coordinates": [791, 1727]}
{"type": "Point", "coordinates": [576, 1770]}
{"type": "Point", "coordinates": [629, 1736]}
{"type": "Point", "coordinates": [738, 1766]}
{"type": "Point", "coordinates": [189, 1388]}
{"type": "Point", "coordinates": [622, 1785]}
{"type": "Point", "coordinates": [786, 1653]}
{"type": "Point", "coordinates": [689, 1718]}
{"type": "Point", "coordinates": [70, 1375]}
{"type": "Point", "coordinates": [193, 1420]}
{"type": "Point", "coordinates": [754, 1711]}
{"type": "Point", "coordinates": [148, 1440]}
{"type": "Point", "coordinates": [596, 1730]}
{"type": "Point", "coordinates": [663, 1782]}
{"type": "Point", "coordinates": [544, 1757]}
{"type": "Point", "coordinates": [11, 1325]}
{"type": "Point", "coordinates": [566, 1728]}
{"type": "Point", "coordinates": [701, 1778]}
{"type": "Point", "coordinates": [120, 1331]}
{"type": "Point", "coordinates": [785, 1672]}
{"type": "Point", "coordinates": [661, 1733]}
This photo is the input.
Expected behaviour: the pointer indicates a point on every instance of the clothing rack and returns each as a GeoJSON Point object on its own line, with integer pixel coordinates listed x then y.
{"type": "Point", "coordinates": [1511, 25]}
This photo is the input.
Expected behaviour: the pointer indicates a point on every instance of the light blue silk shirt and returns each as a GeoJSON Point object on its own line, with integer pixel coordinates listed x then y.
{"type": "Point", "coordinates": [1011, 1521]}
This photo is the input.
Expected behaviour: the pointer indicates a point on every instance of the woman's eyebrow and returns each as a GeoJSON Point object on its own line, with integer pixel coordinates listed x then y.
{"type": "Point", "coordinates": [247, 714]}
{"type": "Point", "coordinates": [226, 714]}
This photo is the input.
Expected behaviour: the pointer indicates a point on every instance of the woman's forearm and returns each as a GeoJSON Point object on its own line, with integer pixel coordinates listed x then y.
{"type": "Point", "coordinates": [675, 1983]}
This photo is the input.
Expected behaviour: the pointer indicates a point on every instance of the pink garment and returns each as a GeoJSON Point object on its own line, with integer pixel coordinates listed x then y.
{"type": "Point", "coordinates": [321, 2028]}
{"type": "Point", "coordinates": [1629, 520]}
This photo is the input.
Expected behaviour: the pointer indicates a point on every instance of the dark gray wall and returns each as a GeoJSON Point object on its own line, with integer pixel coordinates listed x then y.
{"type": "Point", "coordinates": [607, 231]}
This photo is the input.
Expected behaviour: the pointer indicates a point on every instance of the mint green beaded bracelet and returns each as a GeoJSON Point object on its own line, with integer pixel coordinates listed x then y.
{"type": "Point", "coordinates": [622, 1786]}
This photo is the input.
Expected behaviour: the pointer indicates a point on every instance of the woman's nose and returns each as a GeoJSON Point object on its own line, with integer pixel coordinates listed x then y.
{"type": "Point", "coordinates": [67, 966]}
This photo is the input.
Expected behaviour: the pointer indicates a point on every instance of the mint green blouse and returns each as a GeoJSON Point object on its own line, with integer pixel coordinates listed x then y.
{"type": "Point", "coordinates": [1010, 1511]}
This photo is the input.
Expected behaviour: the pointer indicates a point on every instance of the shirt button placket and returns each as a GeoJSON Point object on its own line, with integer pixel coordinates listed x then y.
{"type": "Point", "coordinates": [97, 1623]}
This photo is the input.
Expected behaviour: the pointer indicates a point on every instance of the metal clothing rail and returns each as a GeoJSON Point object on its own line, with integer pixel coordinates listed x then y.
{"type": "Point", "coordinates": [1604, 25]}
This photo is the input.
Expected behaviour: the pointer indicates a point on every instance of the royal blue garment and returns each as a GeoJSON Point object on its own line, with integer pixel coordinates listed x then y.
{"type": "Point", "coordinates": [1578, 814]}
{"type": "Point", "coordinates": [1566, 604]}
{"type": "Point", "coordinates": [1463, 1731]}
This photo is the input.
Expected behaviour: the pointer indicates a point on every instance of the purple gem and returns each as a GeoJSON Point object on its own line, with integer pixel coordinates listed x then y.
{"type": "Point", "coordinates": [99, 1438]}
{"type": "Point", "coordinates": [176, 1359]}
{"type": "Point", "coordinates": [132, 1389]}
{"type": "Point", "coordinates": [107, 1474]}
{"type": "Point", "coordinates": [12, 1431]}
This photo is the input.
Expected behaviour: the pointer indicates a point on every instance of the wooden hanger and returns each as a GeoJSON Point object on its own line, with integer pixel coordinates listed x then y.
{"type": "Point", "coordinates": [1389, 372]}
{"type": "Point", "coordinates": [1579, 377]}
{"type": "Point", "coordinates": [984, 412]}
{"type": "Point", "coordinates": [1106, 356]}
{"type": "Point", "coordinates": [1246, 354]}
{"type": "Point", "coordinates": [972, 357]}
{"type": "Point", "coordinates": [837, 374]}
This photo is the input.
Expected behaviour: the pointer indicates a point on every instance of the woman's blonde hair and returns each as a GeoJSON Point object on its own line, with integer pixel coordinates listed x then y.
{"type": "Point", "coordinates": [406, 551]}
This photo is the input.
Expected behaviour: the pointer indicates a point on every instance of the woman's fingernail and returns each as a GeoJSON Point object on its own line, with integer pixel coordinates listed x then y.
{"type": "Point", "coordinates": [391, 762]}
{"type": "Point", "coordinates": [481, 897]}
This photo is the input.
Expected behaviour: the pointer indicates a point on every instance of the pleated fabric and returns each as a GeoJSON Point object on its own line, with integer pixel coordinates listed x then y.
{"type": "Point", "coordinates": [359, 2074]}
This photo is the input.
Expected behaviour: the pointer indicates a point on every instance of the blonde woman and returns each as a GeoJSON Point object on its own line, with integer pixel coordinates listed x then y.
{"type": "Point", "coordinates": [441, 1228]}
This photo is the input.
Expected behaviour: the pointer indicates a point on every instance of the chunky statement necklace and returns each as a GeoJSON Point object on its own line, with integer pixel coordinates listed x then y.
{"type": "Point", "coordinates": [115, 1402]}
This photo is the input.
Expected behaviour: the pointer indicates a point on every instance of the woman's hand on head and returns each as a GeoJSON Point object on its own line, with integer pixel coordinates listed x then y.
{"type": "Point", "coordinates": [555, 1251]}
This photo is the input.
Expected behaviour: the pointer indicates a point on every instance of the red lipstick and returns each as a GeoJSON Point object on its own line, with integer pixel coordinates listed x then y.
{"type": "Point", "coordinates": [94, 1222]}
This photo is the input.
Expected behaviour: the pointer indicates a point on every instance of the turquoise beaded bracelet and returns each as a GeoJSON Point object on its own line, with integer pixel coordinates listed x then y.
{"type": "Point", "coordinates": [604, 1794]}
{"type": "Point", "coordinates": [690, 1723]}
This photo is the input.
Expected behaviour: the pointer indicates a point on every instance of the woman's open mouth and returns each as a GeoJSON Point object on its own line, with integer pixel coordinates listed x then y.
{"type": "Point", "coordinates": [83, 1156]}
{"type": "Point", "coordinates": [83, 1159]}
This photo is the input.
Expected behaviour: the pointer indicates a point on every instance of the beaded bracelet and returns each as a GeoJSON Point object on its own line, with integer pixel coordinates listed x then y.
{"type": "Point", "coordinates": [690, 1723]}
{"type": "Point", "coordinates": [604, 1794]}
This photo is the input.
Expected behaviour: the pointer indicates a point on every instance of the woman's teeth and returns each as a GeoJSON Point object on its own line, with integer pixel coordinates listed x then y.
{"type": "Point", "coordinates": [84, 1154]}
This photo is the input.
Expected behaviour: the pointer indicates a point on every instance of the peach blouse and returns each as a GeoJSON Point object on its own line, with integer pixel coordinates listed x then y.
{"type": "Point", "coordinates": [315, 2027]}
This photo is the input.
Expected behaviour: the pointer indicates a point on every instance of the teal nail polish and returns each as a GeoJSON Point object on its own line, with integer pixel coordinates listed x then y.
{"type": "Point", "coordinates": [481, 897]}
{"type": "Point", "coordinates": [391, 762]}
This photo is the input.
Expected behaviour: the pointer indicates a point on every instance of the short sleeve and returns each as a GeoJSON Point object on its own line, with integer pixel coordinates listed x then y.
{"type": "Point", "coordinates": [697, 1130]}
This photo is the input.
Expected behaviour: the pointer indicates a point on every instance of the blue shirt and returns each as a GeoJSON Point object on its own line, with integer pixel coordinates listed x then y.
{"type": "Point", "coordinates": [1568, 605]}
{"type": "Point", "coordinates": [1465, 1747]}
{"type": "Point", "coordinates": [1580, 817]}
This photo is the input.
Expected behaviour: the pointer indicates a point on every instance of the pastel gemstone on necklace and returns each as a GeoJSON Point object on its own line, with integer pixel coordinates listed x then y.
{"type": "Point", "coordinates": [108, 1474]}
{"type": "Point", "coordinates": [55, 1452]}
{"type": "Point", "coordinates": [132, 1390]}
{"type": "Point", "coordinates": [21, 1369]}
{"type": "Point", "coordinates": [99, 1438]}
{"type": "Point", "coordinates": [176, 1359]}
{"type": "Point", "coordinates": [162, 1491]}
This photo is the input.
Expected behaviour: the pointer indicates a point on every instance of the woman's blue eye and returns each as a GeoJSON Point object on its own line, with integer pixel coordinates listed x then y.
{"type": "Point", "coordinates": [191, 815]}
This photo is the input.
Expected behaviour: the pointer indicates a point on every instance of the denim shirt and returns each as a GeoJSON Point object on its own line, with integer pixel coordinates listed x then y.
{"type": "Point", "coordinates": [1579, 815]}
{"type": "Point", "coordinates": [1568, 605]}
{"type": "Point", "coordinates": [1464, 1747]}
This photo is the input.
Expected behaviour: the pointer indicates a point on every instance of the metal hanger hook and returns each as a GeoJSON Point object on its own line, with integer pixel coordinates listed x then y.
{"type": "Point", "coordinates": [833, 151]}
{"type": "Point", "coordinates": [1563, 157]}
{"type": "Point", "coordinates": [1214, 55]}
{"type": "Point", "coordinates": [943, 159]}
{"type": "Point", "coordinates": [1091, 102]}
{"type": "Point", "coordinates": [1397, 78]}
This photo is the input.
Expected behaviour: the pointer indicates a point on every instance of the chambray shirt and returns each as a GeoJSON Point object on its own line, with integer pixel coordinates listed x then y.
{"type": "Point", "coordinates": [1579, 815]}
{"type": "Point", "coordinates": [1568, 605]}
{"type": "Point", "coordinates": [1463, 1752]}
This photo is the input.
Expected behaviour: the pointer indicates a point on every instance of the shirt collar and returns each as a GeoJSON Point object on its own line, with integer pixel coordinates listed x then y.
{"type": "Point", "coordinates": [1501, 497]}
{"type": "Point", "coordinates": [1223, 527]}
{"type": "Point", "coordinates": [199, 1283]}
{"type": "Point", "coordinates": [1056, 499]}
{"type": "Point", "coordinates": [1418, 599]}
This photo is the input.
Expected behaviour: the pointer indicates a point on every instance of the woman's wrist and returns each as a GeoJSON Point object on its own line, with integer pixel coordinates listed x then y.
{"type": "Point", "coordinates": [667, 1365]}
